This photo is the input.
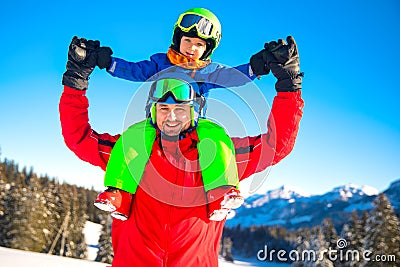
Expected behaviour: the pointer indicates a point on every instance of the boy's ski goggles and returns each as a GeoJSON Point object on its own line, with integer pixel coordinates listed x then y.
{"type": "Point", "coordinates": [180, 90]}
{"type": "Point", "coordinates": [205, 28]}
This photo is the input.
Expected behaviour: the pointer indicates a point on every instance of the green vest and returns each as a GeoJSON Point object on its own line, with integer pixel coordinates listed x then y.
{"type": "Point", "coordinates": [132, 152]}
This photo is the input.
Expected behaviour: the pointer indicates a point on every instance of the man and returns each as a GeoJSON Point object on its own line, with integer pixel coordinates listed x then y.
{"type": "Point", "coordinates": [174, 107]}
{"type": "Point", "coordinates": [169, 223]}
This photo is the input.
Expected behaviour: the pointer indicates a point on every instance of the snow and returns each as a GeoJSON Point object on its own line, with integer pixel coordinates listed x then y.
{"type": "Point", "coordinates": [20, 258]}
{"type": "Point", "coordinates": [14, 257]}
{"type": "Point", "coordinates": [92, 233]}
{"type": "Point", "coordinates": [348, 191]}
{"type": "Point", "coordinates": [250, 263]}
{"type": "Point", "coordinates": [369, 190]}
{"type": "Point", "coordinates": [284, 192]}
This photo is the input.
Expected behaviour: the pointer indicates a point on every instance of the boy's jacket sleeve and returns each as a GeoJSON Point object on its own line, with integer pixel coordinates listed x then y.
{"type": "Point", "coordinates": [139, 71]}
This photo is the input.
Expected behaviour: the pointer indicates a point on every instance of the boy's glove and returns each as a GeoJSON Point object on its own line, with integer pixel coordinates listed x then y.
{"type": "Point", "coordinates": [104, 57]}
{"type": "Point", "coordinates": [283, 60]}
{"type": "Point", "coordinates": [82, 59]}
{"type": "Point", "coordinates": [258, 63]}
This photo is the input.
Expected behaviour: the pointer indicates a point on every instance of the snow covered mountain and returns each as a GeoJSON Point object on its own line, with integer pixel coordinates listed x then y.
{"type": "Point", "coordinates": [393, 193]}
{"type": "Point", "coordinates": [292, 209]}
{"type": "Point", "coordinates": [350, 191]}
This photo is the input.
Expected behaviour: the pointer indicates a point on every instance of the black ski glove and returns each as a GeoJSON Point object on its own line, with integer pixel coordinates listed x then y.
{"type": "Point", "coordinates": [283, 60]}
{"type": "Point", "coordinates": [104, 57]}
{"type": "Point", "coordinates": [258, 64]}
{"type": "Point", "coordinates": [82, 59]}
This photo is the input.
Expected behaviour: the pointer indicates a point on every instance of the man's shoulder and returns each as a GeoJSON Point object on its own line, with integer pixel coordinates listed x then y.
{"type": "Point", "coordinates": [206, 125]}
{"type": "Point", "coordinates": [140, 125]}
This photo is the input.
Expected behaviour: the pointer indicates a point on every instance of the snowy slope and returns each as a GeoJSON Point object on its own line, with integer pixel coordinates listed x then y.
{"type": "Point", "coordinates": [13, 257]}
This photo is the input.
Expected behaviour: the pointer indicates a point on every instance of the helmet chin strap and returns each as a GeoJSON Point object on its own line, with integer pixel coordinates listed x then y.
{"type": "Point", "coordinates": [195, 117]}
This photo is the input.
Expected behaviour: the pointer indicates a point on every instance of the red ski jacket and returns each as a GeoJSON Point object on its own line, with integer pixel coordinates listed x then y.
{"type": "Point", "coordinates": [168, 225]}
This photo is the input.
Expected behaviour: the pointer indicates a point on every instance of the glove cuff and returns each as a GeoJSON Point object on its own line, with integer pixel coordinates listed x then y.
{"type": "Point", "coordinates": [258, 64]}
{"type": "Point", "coordinates": [74, 82]}
{"type": "Point", "coordinates": [289, 85]}
{"type": "Point", "coordinates": [104, 57]}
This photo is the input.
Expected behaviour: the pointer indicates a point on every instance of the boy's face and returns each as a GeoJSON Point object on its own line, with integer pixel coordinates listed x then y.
{"type": "Point", "coordinates": [172, 119]}
{"type": "Point", "coordinates": [192, 47]}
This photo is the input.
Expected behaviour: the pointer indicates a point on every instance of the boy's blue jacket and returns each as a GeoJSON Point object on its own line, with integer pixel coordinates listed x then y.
{"type": "Point", "coordinates": [212, 76]}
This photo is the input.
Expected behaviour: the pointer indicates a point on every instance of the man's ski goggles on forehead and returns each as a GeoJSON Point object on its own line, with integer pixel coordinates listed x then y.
{"type": "Point", "coordinates": [182, 91]}
{"type": "Point", "coordinates": [204, 27]}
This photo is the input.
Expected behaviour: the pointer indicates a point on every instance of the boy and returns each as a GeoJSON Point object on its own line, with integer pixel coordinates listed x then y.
{"type": "Point", "coordinates": [196, 35]}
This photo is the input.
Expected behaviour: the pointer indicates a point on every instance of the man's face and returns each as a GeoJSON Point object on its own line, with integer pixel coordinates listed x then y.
{"type": "Point", "coordinates": [172, 119]}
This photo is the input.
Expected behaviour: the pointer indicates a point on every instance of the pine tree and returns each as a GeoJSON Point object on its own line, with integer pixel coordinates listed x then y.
{"type": "Point", "coordinates": [39, 214]}
{"type": "Point", "coordinates": [354, 234]}
{"type": "Point", "coordinates": [227, 249]}
{"type": "Point", "coordinates": [105, 252]}
{"type": "Point", "coordinates": [312, 253]}
{"type": "Point", "coordinates": [15, 219]}
{"type": "Point", "coordinates": [56, 216]}
{"type": "Point", "coordinates": [3, 190]}
{"type": "Point", "coordinates": [12, 214]}
{"type": "Point", "coordinates": [331, 238]}
{"type": "Point", "coordinates": [302, 244]}
{"type": "Point", "coordinates": [75, 245]}
{"type": "Point", "coordinates": [35, 237]}
{"type": "Point", "coordinates": [27, 223]}
{"type": "Point", "coordinates": [92, 211]}
{"type": "Point", "coordinates": [10, 171]}
{"type": "Point", "coordinates": [69, 240]}
{"type": "Point", "coordinates": [383, 233]}
{"type": "Point", "coordinates": [319, 245]}
{"type": "Point", "coordinates": [8, 204]}
{"type": "Point", "coordinates": [59, 206]}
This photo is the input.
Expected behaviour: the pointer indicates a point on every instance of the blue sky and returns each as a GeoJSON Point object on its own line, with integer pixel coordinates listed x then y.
{"type": "Point", "coordinates": [350, 132]}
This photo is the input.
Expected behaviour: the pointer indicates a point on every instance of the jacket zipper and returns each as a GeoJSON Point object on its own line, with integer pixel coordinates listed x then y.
{"type": "Point", "coordinates": [168, 223]}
